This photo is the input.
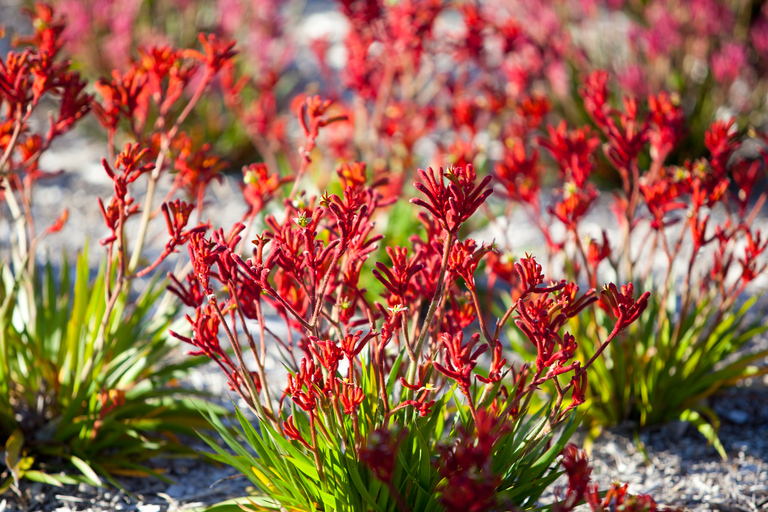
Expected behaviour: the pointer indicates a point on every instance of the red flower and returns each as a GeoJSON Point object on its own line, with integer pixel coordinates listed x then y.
{"type": "Point", "coordinates": [519, 174]}
{"type": "Point", "coordinates": [579, 472]}
{"type": "Point", "coordinates": [573, 151]}
{"type": "Point", "coordinates": [460, 359]}
{"type": "Point", "coordinates": [574, 205]}
{"type": "Point", "coordinates": [217, 52]}
{"type": "Point", "coordinates": [351, 398]}
{"type": "Point", "coordinates": [452, 204]}
{"type": "Point", "coordinates": [398, 281]}
{"type": "Point", "coordinates": [291, 432]}
{"type": "Point", "coordinates": [623, 305]}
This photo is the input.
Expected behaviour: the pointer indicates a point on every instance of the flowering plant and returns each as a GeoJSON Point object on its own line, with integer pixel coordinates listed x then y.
{"type": "Point", "coordinates": [399, 403]}
{"type": "Point", "coordinates": [673, 357]}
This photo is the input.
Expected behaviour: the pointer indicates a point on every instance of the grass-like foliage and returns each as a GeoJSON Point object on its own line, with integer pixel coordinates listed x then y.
{"type": "Point", "coordinates": [663, 371]}
{"type": "Point", "coordinates": [84, 384]}
{"type": "Point", "coordinates": [410, 461]}
{"type": "Point", "coordinates": [67, 402]}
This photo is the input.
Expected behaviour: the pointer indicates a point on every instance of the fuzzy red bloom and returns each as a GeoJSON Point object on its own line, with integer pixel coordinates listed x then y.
{"type": "Point", "coordinates": [452, 204]}
{"type": "Point", "coordinates": [351, 398]}
{"type": "Point", "coordinates": [217, 52]}
{"type": "Point", "coordinates": [573, 151]}
{"type": "Point", "coordinates": [662, 196]}
{"type": "Point", "coordinates": [58, 225]}
{"type": "Point", "coordinates": [460, 359]}
{"type": "Point", "coordinates": [579, 472]}
{"type": "Point", "coordinates": [291, 432]}
{"type": "Point", "coordinates": [597, 252]}
{"type": "Point", "coordinates": [305, 387]}
{"type": "Point", "coordinates": [497, 365]}
{"type": "Point", "coordinates": [574, 205]}
{"type": "Point", "coordinates": [327, 353]}
{"type": "Point", "coordinates": [519, 174]}
{"type": "Point", "coordinates": [380, 452]}
{"type": "Point", "coordinates": [399, 280]}
{"type": "Point", "coordinates": [754, 248]}
{"type": "Point", "coordinates": [531, 276]}
{"type": "Point", "coordinates": [667, 122]}
{"type": "Point", "coordinates": [720, 140]}
{"type": "Point", "coordinates": [464, 259]}
{"type": "Point", "coordinates": [623, 305]}
{"type": "Point", "coordinates": [616, 498]}
{"type": "Point", "coordinates": [192, 294]}
{"type": "Point", "coordinates": [467, 467]}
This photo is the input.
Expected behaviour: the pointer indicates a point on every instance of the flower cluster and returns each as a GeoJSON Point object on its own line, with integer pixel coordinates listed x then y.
{"type": "Point", "coordinates": [360, 370]}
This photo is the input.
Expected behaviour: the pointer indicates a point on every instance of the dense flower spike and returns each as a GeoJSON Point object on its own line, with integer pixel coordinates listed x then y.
{"type": "Point", "coordinates": [623, 304]}
{"type": "Point", "coordinates": [460, 359]}
{"type": "Point", "coordinates": [453, 203]}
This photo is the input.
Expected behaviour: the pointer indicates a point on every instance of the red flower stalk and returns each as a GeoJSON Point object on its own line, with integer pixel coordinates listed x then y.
{"type": "Point", "coordinates": [176, 218]}
{"type": "Point", "coordinates": [519, 174]}
{"type": "Point", "coordinates": [353, 344]}
{"type": "Point", "coordinates": [398, 281]}
{"type": "Point", "coordinates": [460, 359]}
{"type": "Point", "coordinates": [49, 28]}
{"type": "Point", "coordinates": [74, 104]}
{"type": "Point", "coordinates": [203, 254]}
{"type": "Point", "coordinates": [421, 404]}
{"type": "Point", "coordinates": [746, 175]}
{"type": "Point", "coordinates": [327, 353]}
{"type": "Point", "coordinates": [197, 166]}
{"type": "Point", "coordinates": [422, 378]}
{"type": "Point", "coordinates": [755, 247]}
{"type": "Point", "coordinates": [616, 498]}
{"type": "Point", "coordinates": [531, 276]}
{"type": "Point", "coordinates": [662, 197]}
{"type": "Point", "coordinates": [458, 313]}
{"type": "Point", "coordinates": [720, 140]}
{"type": "Point", "coordinates": [579, 472]}
{"type": "Point", "coordinates": [623, 305]}
{"type": "Point", "coordinates": [291, 432]}
{"type": "Point", "coordinates": [667, 122]}
{"type": "Point", "coordinates": [578, 396]}
{"type": "Point", "coordinates": [573, 151]}
{"type": "Point", "coordinates": [312, 117]}
{"type": "Point", "coordinates": [259, 186]}
{"type": "Point", "coordinates": [464, 259]}
{"type": "Point", "coordinates": [575, 204]}
{"type": "Point", "coordinates": [380, 452]}
{"type": "Point", "coordinates": [304, 388]}
{"type": "Point", "coordinates": [497, 365]}
{"type": "Point", "coordinates": [595, 94]}
{"type": "Point", "coordinates": [351, 398]}
{"type": "Point", "coordinates": [597, 252]}
{"type": "Point", "coordinates": [58, 225]}
{"type": "Point", "coordinates": [349, 213]}
{"type": "Point", "coordinates": [205, 336]}
{"type": "Point", "coordinates": [217, 54]}
{"type": "Point", "coordinates": [452, 204]}
{"type": "Point", "coordinates": [122, 98]}
{"type": "Point", "coordinates": [352, 175]}
{"type": "Point", "coordinates": [191, 295]}
{"type": "Point", "coordinates": [467, 467]}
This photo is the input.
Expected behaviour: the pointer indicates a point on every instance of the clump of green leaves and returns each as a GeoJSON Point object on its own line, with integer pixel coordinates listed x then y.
{"type": "Point", "coordinates": [665, 367]}
{"type": "Point", "coordinates": [66, 403]}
